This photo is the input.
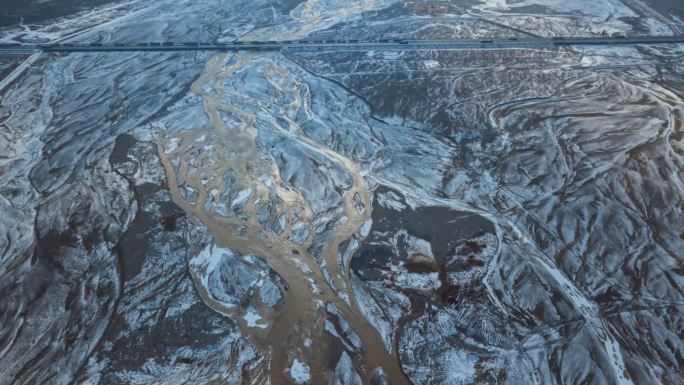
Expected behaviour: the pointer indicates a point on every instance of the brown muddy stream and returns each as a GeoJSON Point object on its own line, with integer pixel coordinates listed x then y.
{"type": "Point", "coordinates": [301, 314]}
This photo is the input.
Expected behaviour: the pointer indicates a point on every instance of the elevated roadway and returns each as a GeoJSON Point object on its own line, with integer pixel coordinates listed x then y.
{"type": "Point", "coordinates": [344, 45]}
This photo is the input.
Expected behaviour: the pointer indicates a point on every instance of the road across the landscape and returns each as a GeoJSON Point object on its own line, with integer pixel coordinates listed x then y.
{"type": "Point", "coordinates": [345, 45]}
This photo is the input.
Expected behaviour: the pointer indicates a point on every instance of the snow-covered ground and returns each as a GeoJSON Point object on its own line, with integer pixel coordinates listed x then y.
{"type": "Point", "coordinates": [439, 217]}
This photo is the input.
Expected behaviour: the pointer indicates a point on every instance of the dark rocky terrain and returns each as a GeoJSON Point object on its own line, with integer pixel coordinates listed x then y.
{"type": "Point", "coordinates": [495, 216]}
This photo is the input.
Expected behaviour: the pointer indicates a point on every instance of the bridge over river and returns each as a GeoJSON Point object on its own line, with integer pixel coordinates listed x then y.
{"type": "Point", "coordinates": [344, 45]}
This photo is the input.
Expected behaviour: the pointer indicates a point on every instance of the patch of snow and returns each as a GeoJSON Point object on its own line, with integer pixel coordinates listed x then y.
{"type": "Point", "coordinates": [252, 318]}
{"type": "Point", "coordinates": [365, 228]}
{"type": "Point", "coordinates": [431, 64]}
{"type": "Point", "coordinates": [390, 200]}
{"type": "Point", "coordinates": [416, 281]}
{"type": "Point", "coordinates": [300, 372]}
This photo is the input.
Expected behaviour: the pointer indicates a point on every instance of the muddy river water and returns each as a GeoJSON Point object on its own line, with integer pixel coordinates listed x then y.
{"type": "Point", "coordinates": [302, 313]}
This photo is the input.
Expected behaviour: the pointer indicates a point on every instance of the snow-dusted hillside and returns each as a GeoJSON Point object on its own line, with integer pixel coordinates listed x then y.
{"type": "Point", "coordinates": [501, 216]}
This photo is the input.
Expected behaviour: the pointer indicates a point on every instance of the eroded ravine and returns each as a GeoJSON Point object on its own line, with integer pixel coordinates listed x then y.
{"type": "Point", "coordinates": [234, 150]}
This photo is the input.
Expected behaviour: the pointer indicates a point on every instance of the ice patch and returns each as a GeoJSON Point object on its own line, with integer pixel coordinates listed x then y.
{"type": "Point", "coordinates": [365, 229]}
{"type": "Point", "coordinates": [252, 318]}
{"type": "Point", "coordinates": [301, 265]}
{"type": "Point", "coordinates": [171, 145]}
{"type": "Point", "coordinates": [300, 372]}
